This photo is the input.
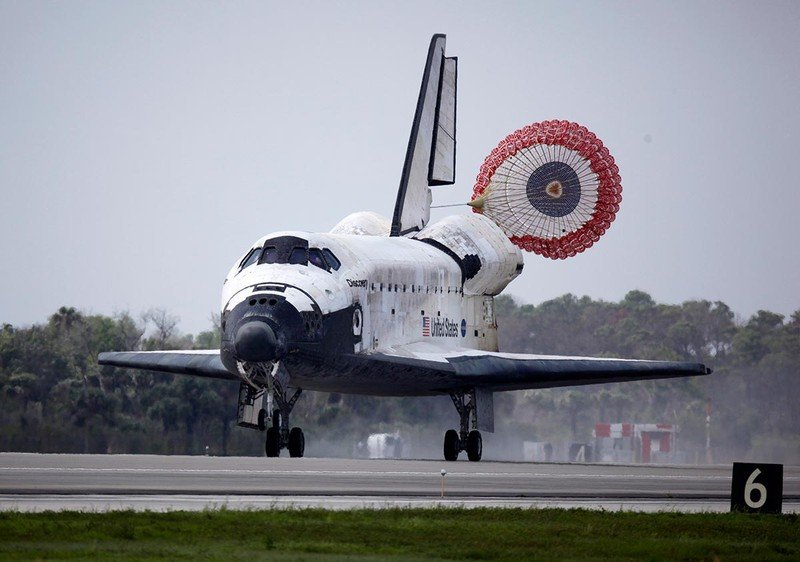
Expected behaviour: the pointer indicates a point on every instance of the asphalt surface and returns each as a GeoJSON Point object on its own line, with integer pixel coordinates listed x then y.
{"type": "Point", "coordinates": [101, 482]}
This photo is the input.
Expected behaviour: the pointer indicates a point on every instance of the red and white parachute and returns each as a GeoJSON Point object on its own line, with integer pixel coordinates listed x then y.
{"type": "Point", "coordinates": [551, 186]}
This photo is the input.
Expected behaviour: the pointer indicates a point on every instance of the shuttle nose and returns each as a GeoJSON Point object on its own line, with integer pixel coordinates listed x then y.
{"type": "Point", "coordinates": [255, 341]}
{"type": "Point", "coordinates": [267, 326]}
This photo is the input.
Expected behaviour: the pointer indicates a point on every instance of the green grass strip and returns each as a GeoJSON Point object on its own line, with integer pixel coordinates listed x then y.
{"type": "Point", "coordinates": [398, 534]}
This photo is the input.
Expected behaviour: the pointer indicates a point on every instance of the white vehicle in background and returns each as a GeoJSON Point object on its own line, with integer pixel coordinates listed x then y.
{"type": "Point", "coordinates": [385, 446]}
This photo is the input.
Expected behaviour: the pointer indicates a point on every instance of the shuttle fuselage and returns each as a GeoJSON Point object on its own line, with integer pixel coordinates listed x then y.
{"type": "Point", "coordinates": [355, 290]}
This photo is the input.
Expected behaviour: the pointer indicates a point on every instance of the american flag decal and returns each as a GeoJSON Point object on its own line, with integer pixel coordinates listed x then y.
{"type": "Point", "coordinates": [426, 326]}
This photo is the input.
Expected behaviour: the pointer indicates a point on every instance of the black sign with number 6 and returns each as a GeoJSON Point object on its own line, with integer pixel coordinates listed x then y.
{"type": "Point", "coordinates": [757, 487]}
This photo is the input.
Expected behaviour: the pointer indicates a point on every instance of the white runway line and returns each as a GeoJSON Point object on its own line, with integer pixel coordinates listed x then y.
{"type": "Point", "coordinates": [104, 503]}
{"type": "Point", "coordinates": [267, 472]}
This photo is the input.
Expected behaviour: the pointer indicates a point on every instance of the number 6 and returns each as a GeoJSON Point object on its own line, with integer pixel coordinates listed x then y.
{"type": "Point", "coordinates": [750, 486]}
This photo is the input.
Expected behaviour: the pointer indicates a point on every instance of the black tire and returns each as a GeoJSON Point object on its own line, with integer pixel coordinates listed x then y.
{"type": "Point", "coordinates": [297, 442]}
{"type": "Point", "coordinates": [474, 445]}
{"type": "Point", "coordinates": [451, 445]}
{"type": "Point", "coordinates": [262, 419]}
{"type": "Point", "coordinates": [273, 445]}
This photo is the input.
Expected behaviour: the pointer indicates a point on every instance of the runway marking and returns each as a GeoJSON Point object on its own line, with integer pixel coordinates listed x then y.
{"type": "Point", "coordinates": [103, 502]}
{"type": "Point", "coordinates": [222, 471]}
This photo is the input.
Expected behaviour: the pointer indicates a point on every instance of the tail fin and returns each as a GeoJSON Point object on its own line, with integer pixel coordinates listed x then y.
{"type": "Point", "coordinates": [431, 154]}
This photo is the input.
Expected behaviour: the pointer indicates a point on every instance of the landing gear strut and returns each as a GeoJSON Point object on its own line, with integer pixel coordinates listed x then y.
{"type": "Point", "coordinates": [265, 405]}
{"type": "Point", "coordinates": [464, 440]}
{"type": "Point", "coordinates": [278, 435]}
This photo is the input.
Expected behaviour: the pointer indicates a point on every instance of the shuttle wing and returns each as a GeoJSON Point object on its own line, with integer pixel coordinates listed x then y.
{"type": "Point", "coordinates": [201, 363]}
{"type": "Point", "coordinates": [425, 368]}
{"type": "Point", "coordinates": [431, 153]}
{"type": "Point", "coordinates": [468, 368]}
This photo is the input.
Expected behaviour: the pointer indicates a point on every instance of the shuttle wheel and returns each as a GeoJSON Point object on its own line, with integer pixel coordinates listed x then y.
{"type": "Point", "coordinates": [273, 445]}
{"type": "Point", "coordinates": [297, 442]}
{"type": "Point", "coordinates": [474, 445]}
{"type": "Point", "coordinates": [451, 445]}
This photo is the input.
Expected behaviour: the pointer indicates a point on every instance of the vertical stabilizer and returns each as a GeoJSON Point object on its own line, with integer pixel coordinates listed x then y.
{"type": "Point", "coordinates": [431, 154]}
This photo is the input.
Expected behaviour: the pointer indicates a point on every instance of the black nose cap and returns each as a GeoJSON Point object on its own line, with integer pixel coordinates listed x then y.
{"type": "Point", "coordinates": [256, 342]}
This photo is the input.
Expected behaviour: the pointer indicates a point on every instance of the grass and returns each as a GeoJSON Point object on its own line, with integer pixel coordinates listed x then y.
{"type": "Point", "coordinates": [398, 534]}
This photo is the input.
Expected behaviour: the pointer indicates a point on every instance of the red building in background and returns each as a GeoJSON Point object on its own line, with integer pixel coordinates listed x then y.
{"type": "Point", "coordinates": [636, 442]}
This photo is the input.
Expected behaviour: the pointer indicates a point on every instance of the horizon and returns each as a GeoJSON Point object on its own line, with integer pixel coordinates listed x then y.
{"type": "Point", "coordinates": [738, 319]}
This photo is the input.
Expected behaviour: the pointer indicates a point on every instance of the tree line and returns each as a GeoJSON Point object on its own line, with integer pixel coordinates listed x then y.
{"type": "Point", "coordinates": [55, 398]}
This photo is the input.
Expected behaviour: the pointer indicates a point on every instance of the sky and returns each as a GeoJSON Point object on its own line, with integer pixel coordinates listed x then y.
{"type": "Point", "coordinates": [145, 145]}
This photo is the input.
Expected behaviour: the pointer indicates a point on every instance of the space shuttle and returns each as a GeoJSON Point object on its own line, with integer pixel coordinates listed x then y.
{"type": "Point", "coordinates": [402, 306]}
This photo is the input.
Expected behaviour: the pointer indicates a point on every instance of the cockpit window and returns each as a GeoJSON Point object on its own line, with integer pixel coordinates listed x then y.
{"type": "Point", "coordinates": [315, 258]}
{"type": "Point", "coordinates": [333, 261]}
{"type": "Point", "coordinates": [270, 255]}
{"type": "Point", "coordinates": [292, 250]}
{"type": "Point", "coordinates": [285, 249]}
{"type": "Point", "coordinates": [251, 258]}
{"type": "Point", "coordinates": [298, 256]}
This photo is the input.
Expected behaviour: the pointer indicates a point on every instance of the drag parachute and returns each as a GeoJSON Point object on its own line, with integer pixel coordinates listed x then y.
{"type": "Point", "coordinates": [551, 186]}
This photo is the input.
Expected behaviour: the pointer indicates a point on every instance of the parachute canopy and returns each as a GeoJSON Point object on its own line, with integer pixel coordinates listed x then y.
{"type": "Point", "coordinates": [551, 186]}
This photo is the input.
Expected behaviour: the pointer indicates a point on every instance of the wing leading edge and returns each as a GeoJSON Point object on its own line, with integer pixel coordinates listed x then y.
{"type": "Point", "coordinates": [201, 363]}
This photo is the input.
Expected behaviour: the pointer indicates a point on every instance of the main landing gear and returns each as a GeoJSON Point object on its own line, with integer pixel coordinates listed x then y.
{"type": "Point", "coordinates": [464, 440]}
{"type": "Point", "coordinates": [255, 405]}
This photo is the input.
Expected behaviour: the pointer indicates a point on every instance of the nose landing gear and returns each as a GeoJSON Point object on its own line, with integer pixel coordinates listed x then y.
{"type": "Point", "coordinates": [264, 388]}
{"type": "Point", "coordinates": [295, 442]}
{"type": "Point", "coordinates": [279, 436]}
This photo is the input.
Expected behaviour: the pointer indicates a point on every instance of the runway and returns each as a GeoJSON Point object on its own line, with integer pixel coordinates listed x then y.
{"type": "Point", "coordinates": [36, 482]}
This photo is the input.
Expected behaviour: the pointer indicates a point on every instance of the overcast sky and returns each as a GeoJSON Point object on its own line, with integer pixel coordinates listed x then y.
{"type": "Point", "coordinates": [145, 145]}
